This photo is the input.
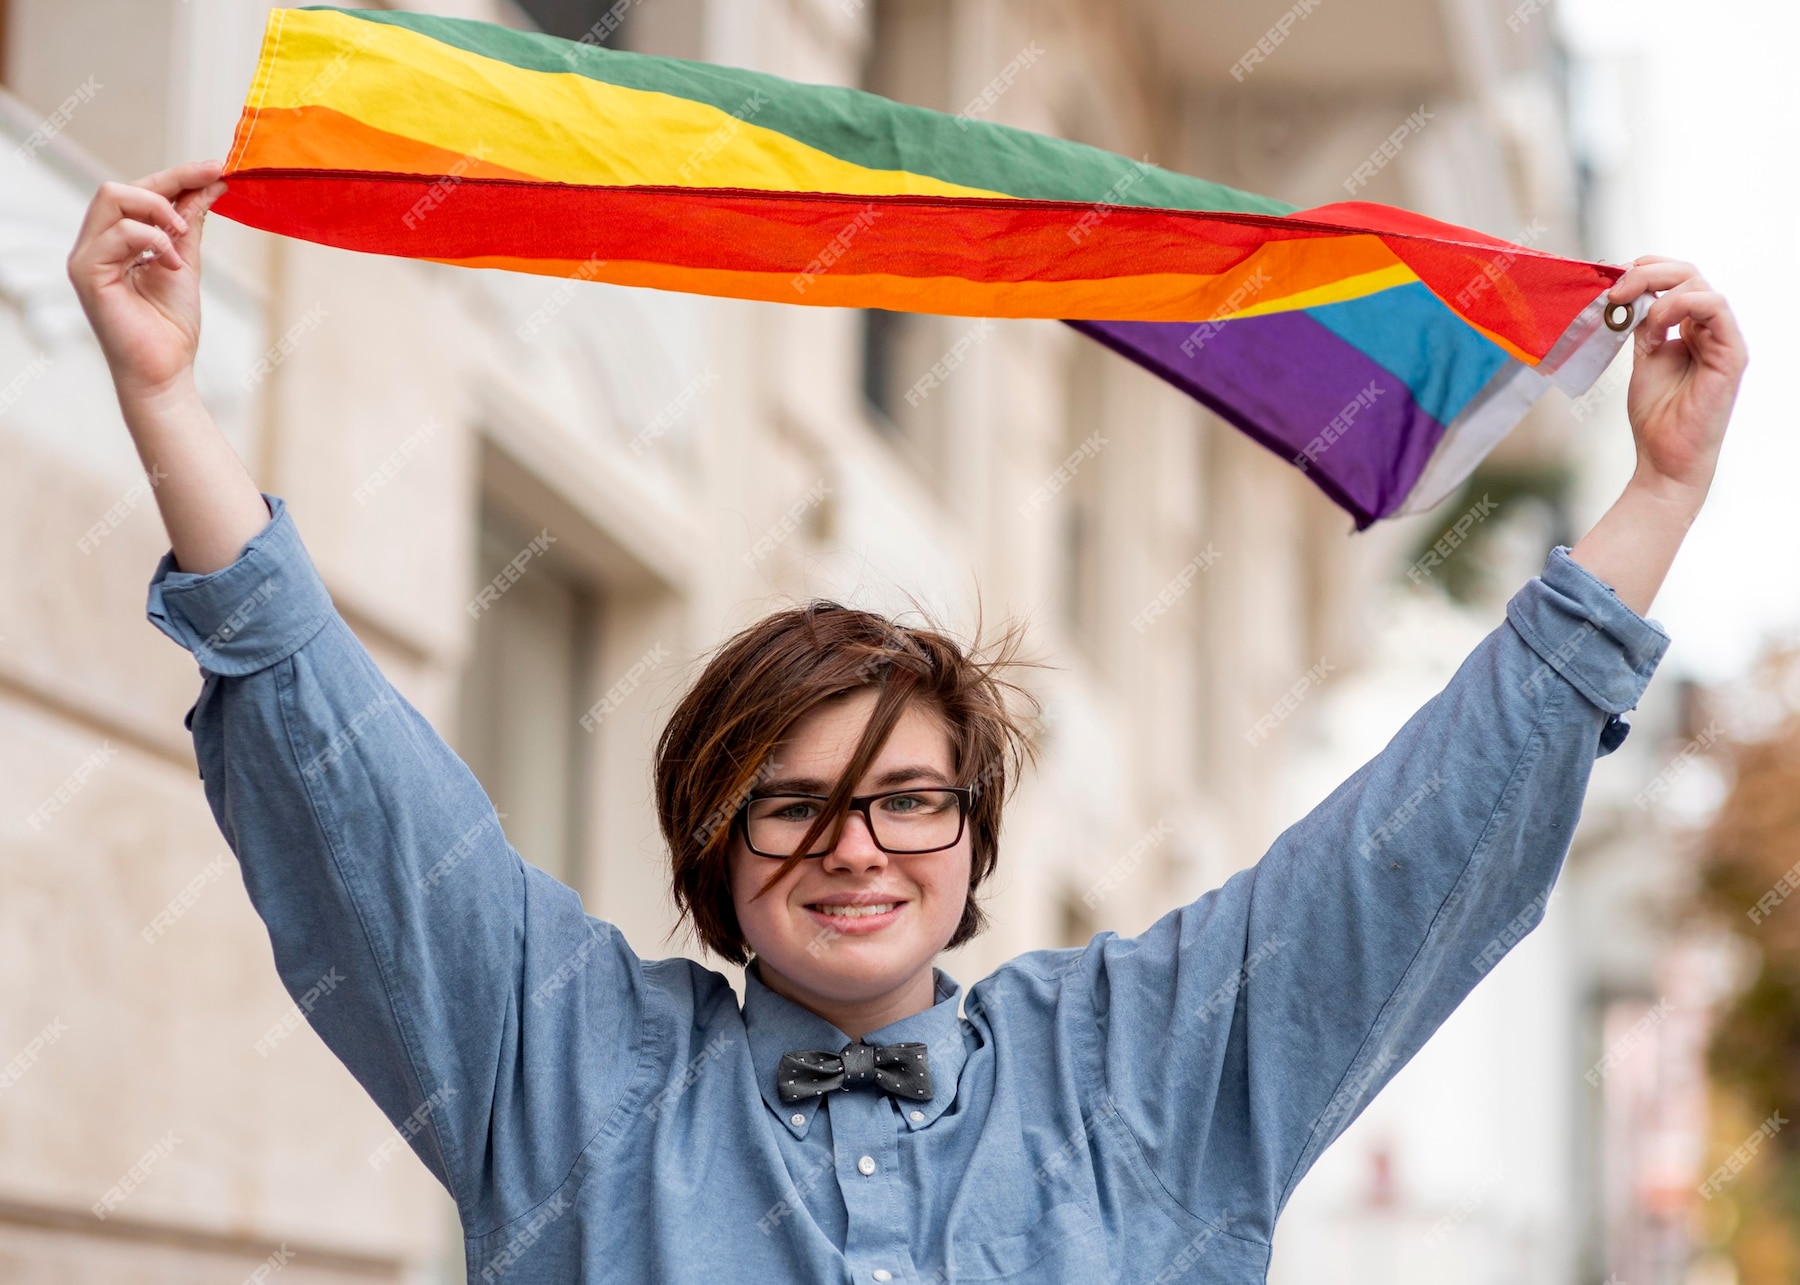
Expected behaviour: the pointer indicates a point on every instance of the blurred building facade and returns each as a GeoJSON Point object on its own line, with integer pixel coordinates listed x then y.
{"type": "Point", "coordinates": [685, 465]}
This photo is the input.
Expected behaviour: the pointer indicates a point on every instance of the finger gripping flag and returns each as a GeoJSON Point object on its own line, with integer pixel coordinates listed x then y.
{"type": "Point", "coordinates": [1381, 352]}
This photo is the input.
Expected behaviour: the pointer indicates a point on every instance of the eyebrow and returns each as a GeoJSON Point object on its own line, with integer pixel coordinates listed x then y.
{"type": "Point", "coordinates": [895, 776]}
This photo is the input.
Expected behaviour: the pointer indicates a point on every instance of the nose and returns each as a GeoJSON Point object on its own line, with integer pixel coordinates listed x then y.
{"type": "Point", "coordinates": [855, 850]}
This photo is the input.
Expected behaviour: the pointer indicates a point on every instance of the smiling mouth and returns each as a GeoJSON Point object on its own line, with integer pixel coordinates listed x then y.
{"type": "Point", "coordinates": [854, 912]}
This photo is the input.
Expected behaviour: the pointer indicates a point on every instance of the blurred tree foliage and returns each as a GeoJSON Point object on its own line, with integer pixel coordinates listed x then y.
{"type": "Point", "coordinates": [1466, 573]}
{"type": "Point", "coordinates": [1750, 852]}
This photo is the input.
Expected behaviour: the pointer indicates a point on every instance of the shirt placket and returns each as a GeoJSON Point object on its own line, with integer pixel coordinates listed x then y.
{"type": "Point", "coordinates": [865, 1140]}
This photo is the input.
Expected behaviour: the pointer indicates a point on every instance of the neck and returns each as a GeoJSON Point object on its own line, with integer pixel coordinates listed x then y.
{"type": "Point", "coordinates": [856, 1017]}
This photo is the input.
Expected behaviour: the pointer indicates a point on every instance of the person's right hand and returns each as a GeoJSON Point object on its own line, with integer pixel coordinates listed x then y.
{"type": "Point", "coordinates": [136, 269]}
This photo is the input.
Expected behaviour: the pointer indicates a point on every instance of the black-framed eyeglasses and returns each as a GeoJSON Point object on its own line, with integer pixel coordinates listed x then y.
{"type": "Point", "coordinates": [902, 822]}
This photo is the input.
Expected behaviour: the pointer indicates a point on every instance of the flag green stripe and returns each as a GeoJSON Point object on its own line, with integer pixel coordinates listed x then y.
{"type": "Point", "coordinates": [853, 126]}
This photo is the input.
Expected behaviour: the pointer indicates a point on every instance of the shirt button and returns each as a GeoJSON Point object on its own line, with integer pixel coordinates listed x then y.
{"type": "Point", "coordinates": [916, 1116]}
{"type": "Point", "coordinates": [866, 1166]}
{"type": "Point", "coordinates": [882, 1274]}
{"type": "Point", "coordinates": [796, 1119]}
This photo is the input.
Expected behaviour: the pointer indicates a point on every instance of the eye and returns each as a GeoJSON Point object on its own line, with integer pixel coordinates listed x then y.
{"type": "Point", "coordinates": [783, 809]}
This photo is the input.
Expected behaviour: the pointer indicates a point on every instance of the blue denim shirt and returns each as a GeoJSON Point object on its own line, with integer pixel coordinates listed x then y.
{"type": "Point", "coordinates": [1136, 1109]}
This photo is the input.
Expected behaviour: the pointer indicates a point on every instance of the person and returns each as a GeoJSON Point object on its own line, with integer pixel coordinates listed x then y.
{"type": "Point", "coordinates": [1136, 1109]}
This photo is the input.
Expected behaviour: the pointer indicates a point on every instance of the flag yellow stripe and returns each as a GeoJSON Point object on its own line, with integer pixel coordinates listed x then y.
{"type": "Point", "coordinates": [540, 123]}
{"type": "Point", "coordinates": [1342, 290]}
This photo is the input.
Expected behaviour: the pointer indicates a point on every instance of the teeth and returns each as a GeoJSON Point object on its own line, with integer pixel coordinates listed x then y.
{"type": "Point", "coordinates": [856, 912]}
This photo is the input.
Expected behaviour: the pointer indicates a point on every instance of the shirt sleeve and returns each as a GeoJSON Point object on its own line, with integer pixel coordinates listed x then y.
{"type": "Point", "coordinates": [495, 1024]}
{"type": "Point", "coordinates": [1239, 1035]}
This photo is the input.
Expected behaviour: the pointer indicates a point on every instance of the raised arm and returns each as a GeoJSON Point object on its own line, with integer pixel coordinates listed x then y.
{"type": "Point", "coordinates": [136, 269]}
{"type": "Point", "coordinates": [1238, 1036]}
{"type": "Point", "coordinates": [1679, 402]}
{"type": "Point", "coordinates": [494, 1022]}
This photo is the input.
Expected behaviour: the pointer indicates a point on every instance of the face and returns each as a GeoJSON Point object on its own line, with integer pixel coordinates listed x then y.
{"type": "Point", "coordinates": [814, 930]}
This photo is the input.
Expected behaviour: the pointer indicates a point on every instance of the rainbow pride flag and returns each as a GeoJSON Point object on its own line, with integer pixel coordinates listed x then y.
{"type": "Point", "coordinates": [1382, 352]}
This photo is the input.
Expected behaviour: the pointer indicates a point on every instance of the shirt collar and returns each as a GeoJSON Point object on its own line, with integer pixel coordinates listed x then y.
{"type": "Point", "coordinates": [776, 1025]}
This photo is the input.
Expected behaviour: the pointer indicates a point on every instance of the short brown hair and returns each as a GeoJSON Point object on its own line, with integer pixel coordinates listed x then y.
{"type": "Point", "coordinates": [762, 681]}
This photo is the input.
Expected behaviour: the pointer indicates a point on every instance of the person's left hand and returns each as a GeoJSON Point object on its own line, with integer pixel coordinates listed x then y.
{"type": "Point", "coordinates": [1682, 388]}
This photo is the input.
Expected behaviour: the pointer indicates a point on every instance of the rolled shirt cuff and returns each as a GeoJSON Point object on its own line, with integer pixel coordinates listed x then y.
{"type": "Point", "coordinates": [1582, 632]}
{"type": "Point", "coordinates": [252, 614]}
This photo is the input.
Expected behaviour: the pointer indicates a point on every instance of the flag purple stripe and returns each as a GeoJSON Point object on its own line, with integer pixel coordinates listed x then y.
{"type": "Point", "coordinates": [1300, 390]}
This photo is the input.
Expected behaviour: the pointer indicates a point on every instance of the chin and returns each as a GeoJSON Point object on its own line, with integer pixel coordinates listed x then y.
{"type": "Point", "coordinates": [850, 970]}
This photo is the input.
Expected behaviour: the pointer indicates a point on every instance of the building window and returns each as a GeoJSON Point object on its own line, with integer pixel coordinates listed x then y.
{"type": "Point", "coordinates": [593, 22]}
{"type": "Point", "coordinates": [522, 700]}
{"type": "Point", "coordinates": [898, 349]}
{"type": "Point", "coordinates": [882, 336]}
{"type": "Point", "coordinates": [1079, 501]}
{"type": "Point", "coordinates": [908, 61]}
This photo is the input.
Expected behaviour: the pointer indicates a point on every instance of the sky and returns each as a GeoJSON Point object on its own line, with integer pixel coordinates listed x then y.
{"type": "Point", "coordinates": [1700, 105]}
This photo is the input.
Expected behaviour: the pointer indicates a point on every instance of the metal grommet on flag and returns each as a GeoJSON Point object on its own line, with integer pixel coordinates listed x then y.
{"type": "Point", "coordinates": [1620, 316]}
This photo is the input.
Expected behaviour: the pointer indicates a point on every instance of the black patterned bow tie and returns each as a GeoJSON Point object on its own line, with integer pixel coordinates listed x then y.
{"type": "Point", "coordinates": [899, 1069]}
